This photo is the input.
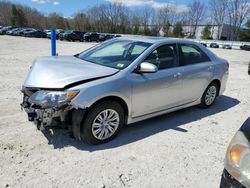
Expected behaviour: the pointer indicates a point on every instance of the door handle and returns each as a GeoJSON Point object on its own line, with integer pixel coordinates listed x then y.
{"type": "Point", "coordinates": [177, 75]}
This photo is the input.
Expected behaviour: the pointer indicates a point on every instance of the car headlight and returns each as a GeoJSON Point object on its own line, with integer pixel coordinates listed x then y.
{"type": "Point", "coordinates": [49, 99]}
{"type": "Point", "coordinates": [237, 161]}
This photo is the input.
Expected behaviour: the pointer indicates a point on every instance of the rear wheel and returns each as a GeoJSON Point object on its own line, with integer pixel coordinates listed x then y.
{"type": "Point", "coordinates": [102, 123]}
{"type": "Point", "coordinates": [209, 95]}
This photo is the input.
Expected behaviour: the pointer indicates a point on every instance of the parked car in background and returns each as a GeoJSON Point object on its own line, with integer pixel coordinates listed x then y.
{"type": "Point", "coordinates": [99, 90]}
{"type": "Point", "coordinates": [109, 36]}
{"type": "Point", "coordinates": [5, 29]}
{"type": "Point", "coordinates": [214, 45]}
{"type": "Point", "coordinates": [71, 35]}
{"type": "Point", "coordinates": [21, 31]}
{"type": "Point", "coordinates": [48, 33]}
{"type": "Point", "coordinates": [104, 37]}
{"type": "Point", "coordinates": [35, 33]}
{"type": "Point", "coordinates": [11, 31]}
{"type": "Point", "coordinates": [236, 172]}
{"type": "Point", "coordinates": [227, 46]}
{"type": "Point", "coordinates": [245, 47]}
{"type": "Point", "coordinates": [14, 33]}
{"type": "Point", "coordinates": [58, 32]}
{"type": "Point", "coordinates": [25, 30]}
{"type": "Point", "coordinates": [204, 44]}
{"type": "Point", "coordinates": [91, 36]}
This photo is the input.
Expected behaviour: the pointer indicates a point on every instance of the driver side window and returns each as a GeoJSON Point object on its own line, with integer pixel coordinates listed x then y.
{"type": "Point", "coordinates": [164, 57]}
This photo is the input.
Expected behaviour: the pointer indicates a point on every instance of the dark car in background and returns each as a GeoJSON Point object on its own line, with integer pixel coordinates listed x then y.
{"type": "Point", "coordinates": [104, 37]}
{"type": "Point", "coordinates": [227, 46]}
{"type": "Point", "coordinates": [237, 161]}
{"type": "Point", "coordinates": [35, 33]}
{"type": "Point", "coordinates": [214, 45]}
{"type": "Point", "coordinates": [91, 36]}
{"type": "Point", "coordinates": [245, 47]}
{"type": "Point", "coordinates": [204, 44]}
{"type": "Point", "coordinates": [71, 35]}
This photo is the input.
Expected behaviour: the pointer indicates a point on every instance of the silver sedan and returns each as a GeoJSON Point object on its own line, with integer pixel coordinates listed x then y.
{"type": "Point", "coordinates": [121, 81]}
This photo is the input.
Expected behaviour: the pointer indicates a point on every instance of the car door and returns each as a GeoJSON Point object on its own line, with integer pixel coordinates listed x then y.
{"type": "Point", "coordinates": [198, 71]}
{"type": "Point", "coordinates": [152, 92]}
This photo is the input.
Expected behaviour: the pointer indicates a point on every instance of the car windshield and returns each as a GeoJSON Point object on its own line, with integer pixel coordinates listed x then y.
{"type": "Point", "coordinates": [116, 54]}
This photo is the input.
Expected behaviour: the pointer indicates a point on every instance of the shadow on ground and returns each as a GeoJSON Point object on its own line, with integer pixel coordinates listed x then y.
{"type": "Point", "coordinates": [138, 131]}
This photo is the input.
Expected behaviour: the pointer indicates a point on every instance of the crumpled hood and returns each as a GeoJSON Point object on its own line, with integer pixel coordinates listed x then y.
{"type": "Point", "coordinates": [60, 71]}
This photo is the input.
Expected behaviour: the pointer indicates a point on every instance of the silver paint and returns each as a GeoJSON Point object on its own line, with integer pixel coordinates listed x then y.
{"type": "Point", "coordinates": [146, 94]}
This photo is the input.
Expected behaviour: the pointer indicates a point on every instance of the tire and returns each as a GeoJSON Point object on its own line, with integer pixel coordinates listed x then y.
{"type": "Point", "coordinates": [87, 128]}
{"type": "Point", "coordinates": [213, 89]}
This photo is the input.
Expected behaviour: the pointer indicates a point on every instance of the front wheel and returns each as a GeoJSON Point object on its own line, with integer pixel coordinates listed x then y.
{"type": "Point", "coordinates": [209, 95]}
{"type": "Point", "coordinates": [102, 123]}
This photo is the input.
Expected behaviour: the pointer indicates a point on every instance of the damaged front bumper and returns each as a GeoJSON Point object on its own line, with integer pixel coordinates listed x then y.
{"type": "Point", "coordinates": [63, 115]}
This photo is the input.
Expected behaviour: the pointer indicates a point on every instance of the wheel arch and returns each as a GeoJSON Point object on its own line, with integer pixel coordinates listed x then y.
{"type": "Point", "coordinates": [117, 99]}
{"type": "Point", "coordinates": [217, 81]}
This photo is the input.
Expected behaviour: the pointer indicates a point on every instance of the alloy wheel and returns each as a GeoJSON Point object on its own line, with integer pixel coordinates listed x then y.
{"type": "Point", "coordinates": [105, 124]}
{"type": "Point", "coordinates": [210, 95]}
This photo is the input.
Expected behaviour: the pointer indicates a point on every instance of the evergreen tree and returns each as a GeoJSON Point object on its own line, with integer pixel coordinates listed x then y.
{"type": "Point", "coordinates": [245, 34]}
{"type": "Point", "coordinates": [166, 28]}
{"type": "Point", "coordinates": [177, 31]}
{"type": "Point", "coordinates": [206, 33]}
{"type": "Point", "coordinates": [18, 17]}
{"type": "Point", "coordinates": [136, 29]}
{"type": "Point", "coordinates": [14, 15]}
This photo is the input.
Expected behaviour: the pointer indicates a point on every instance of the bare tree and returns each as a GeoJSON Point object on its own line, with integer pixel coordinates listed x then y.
{"type": "Point", "coordinates": [195, 15]}
{"type": "Point", "coordinates": [165, 18]}
{"type": "Point", "coordinates": [238, 11]}
{"type": "Point", "coordinates": [81, 21]}
{"type": "Point", "coordinates": [5, 13]}
{"type": "Point", "coordinates": [109, 17]}
{"type": "Point", "coordinates": [218, 11]}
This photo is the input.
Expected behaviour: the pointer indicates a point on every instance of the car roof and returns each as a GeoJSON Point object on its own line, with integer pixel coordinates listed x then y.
{"type": "Point", "coordinates": [156, 40]}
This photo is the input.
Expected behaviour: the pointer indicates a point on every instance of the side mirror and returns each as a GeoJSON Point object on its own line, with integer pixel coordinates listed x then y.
{"type": "Point", "coordinates": [146, 67]}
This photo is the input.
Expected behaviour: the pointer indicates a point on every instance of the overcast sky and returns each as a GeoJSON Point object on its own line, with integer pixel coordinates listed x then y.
{"type": "Point", "coordinates": [69, 7]}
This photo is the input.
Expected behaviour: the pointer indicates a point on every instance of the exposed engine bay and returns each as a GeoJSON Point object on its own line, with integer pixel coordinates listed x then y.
{"type": "Point", "coordinates": [42, 114]}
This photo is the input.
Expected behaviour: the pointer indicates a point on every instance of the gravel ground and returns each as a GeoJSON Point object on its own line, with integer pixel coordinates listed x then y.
{"type": "Point", "coordinates": [180, 149]}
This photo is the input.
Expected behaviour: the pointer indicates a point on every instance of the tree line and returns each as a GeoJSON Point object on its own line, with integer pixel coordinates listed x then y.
{"type": "Point", "coordinates": [117, 18]}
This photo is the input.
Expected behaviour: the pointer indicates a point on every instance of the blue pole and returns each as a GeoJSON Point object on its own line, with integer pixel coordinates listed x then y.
{"type": "Point", "coordinates": [53, 43]}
